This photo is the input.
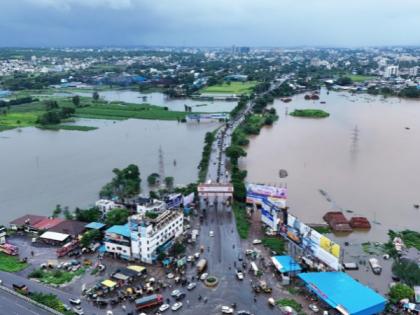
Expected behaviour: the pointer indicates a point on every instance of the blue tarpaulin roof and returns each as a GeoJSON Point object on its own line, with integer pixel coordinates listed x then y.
{"type": "Point", "coordinates": [95, 225]}
{"type": "Point", "coordinates": [342, 292]}
{"type": "Point", "coordinates": [120, 230]}
{"type": "Point", "coordinates": [285, 264]}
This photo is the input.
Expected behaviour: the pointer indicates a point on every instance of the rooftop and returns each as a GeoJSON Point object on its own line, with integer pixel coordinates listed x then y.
{"type": "Point", "coordinates": [29, 219]}
{"type": "Point", "coordinates": [120, 230]}
{"type": "Point", "coordinates": [94, 225]}
{"type": "Point", "coordinates": [343, 293]}
{"type": "Point", "coordinates": [285, 264]}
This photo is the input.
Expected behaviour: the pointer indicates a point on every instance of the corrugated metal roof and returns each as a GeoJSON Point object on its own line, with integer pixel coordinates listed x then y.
{"type": "Point", "coordinates": [120, 230]}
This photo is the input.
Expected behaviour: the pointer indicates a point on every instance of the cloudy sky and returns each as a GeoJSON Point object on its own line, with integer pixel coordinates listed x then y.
{"type": "Point", "coordinates": [209, 22]}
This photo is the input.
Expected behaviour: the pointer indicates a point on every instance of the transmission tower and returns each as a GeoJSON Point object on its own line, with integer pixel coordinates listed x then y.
{"type": "Point", "coordinates": [161, 165]}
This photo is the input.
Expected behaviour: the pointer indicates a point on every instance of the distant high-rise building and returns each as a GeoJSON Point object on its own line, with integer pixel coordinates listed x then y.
{"type": "Point", "coordinates": [244, 50]}
{"type": "Point", "coordinates": [391, 71]}
{"type": "Point", "coordinates": [413, 71]}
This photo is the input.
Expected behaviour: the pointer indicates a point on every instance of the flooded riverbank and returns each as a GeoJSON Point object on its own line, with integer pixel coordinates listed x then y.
{"type": "Point", "coordinates": [364, 156]}
{"type": "Point", "coordinates": [39, 168]}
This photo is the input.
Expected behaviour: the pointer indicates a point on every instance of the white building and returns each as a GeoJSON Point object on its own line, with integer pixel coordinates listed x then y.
{"type": "Point", "coordinates": [153, 206]}
{"type": "Point", "coordinates": [391, 71]}
{"type": "Point", "coordinates": [148, 234]}
{"type": "Point", "coordinates": [105, 205]}
{"type": "Point", "coordinates": [413, 71]}
{"type": "Point", "coordinates": [117, 241]}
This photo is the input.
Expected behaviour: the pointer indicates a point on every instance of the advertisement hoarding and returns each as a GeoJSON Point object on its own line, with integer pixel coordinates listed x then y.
{"type": "Point", "coordinates": [257, 193]}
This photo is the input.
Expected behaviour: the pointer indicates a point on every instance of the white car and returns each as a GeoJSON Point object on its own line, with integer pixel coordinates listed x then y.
{"type": "Point", "coordinates": [204, 276]}
{"type": "Point", "coordinates": [78, 310]}
{"type": "Point", "coordinates": [190, 258]}
{"type": "Point", "coordinates": [256, 242]}
{"type": "Point", "coordinates": [164, 307]}
{"type": "Point", "coordinates": [240, 275]}
{"type": "Point", "coordinates": [227, 310]}
{"type": "Point", "coordinates": [211, 233]}
{"type": "Point", "coordinates": [175, 292]}
{"type": "Point", "coordinates": [170, 275]}
{"type": "Point", "coordinates": [191, 286]}
{"type": "Point", "coordinates": [74, 301]}
{"type": "Point", "coordinates": [197, 255]}
{"type": "Point", "coordinates": [176, 306]}
{"type": "Point", "coordinates": [314, 308]}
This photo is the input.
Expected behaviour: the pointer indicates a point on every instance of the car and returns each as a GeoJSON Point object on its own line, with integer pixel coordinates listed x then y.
{"type": "Point", "coordinates": [314, 308]}
{"type": "Point", "coordinates": [240, 257]}
{"type": "Point", "coordinates": [75, 301]}
{"type": "Point", "coordinates": [191, 286]}
{"type": "Point", "coordinates": [176, 306]}
{"type": "Point", "coordinates": [211, 233]}
{"type": "Point", "coordinates": [256, 242]}
{"type": "Point", "coordinates": [170, 275]}
{"type": "Point", "coordinates": [78, 310]}
{"type": "Point", "coordinates": [249, 252]}
{"type": "Point", "coordinates": [227, 310]}
{"type": "Point", "coordinates": [164, 307]}
{"type": "Point", "coordinates": [190, 258]}
{"type": "Point", "coordinates": [175, 292]}
{"type": "Point", "coordinates": [204, 276]}
{"type": "Point", "coordinates": [243, 313]}
{"type": "Point", "coordinates": [180, 296]}
{"type": "Point", "coordinates": [240, 275]}
{"type": "Point", "coordinates": [197, 255]}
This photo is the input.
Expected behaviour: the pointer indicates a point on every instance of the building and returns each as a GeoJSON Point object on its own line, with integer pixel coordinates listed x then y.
{"type": "Point", "coordinates": [343, 293]}
{"type": "Point", "coordinates": [153, 233]}
{"type": "Point", "coordinates": [26, 222]}
{"type": "Point", "coordinates": [71, 227]}
{"type": "Point", "coordinates": [412, 72]}
{"type": "Point", "coordinates": [105, 205]}
{"type": "Point", "coordinates": [117, 241]}
{"type": "Point", "coordinates": [391, 71]}
{"type": "Point", "coordinates": [150, 205]}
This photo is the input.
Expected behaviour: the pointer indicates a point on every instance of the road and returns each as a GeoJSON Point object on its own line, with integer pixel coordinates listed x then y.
{"type": "Point", "coordinates": [10, 278]}
{"type": "Point", "coordinates": [13, 305]}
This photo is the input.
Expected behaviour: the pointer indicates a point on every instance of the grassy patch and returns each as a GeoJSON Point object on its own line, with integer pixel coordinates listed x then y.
{"type": "Point", "coordinates": [372, 249]}
{"type": "Point", "coordinates": [15, 120]}
{"type": "Point", "coordinates": [11, 263]}
{"type": "Point", "coordinates": [274, 243]}
{"type": "Point", "coordinates": [49, 300]}
{"type": "Point", "coordinates": [205, 157]}
{"type": "Point", "coordinates": [232, 88]}
{"type": "Point", "coordinates": [360, 78]}
{"type": "Point", "coordinates": [290, 302]}
{"type": "Point", "coordinates": [322, 229]}
{"type": "Point", "coordinates": [67, 127]}
{"type": "Point", "coordinates": [121, 111]}
{"type": "Point", "coordinates": [242, 222]}
{"type": "Point", "coordinates": [410, 238]}
{"type": "Point", "coordinates": [55, 277]}
{"type": "Point", "coordinates": [310, 113]}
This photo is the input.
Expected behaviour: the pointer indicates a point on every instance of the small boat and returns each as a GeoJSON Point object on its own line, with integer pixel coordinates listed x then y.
{"type": "Point", "coordinates": [376, 267]}
{"type": "Point", "coordinates": [323, 102]}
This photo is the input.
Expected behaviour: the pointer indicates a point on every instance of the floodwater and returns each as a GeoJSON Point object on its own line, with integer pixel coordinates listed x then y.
{"type": "Point", "coordinates": [39, 168]}
{"type": "Point", "coordinates": [160, 99]}
{"type": "Point", "coordinates": [365, 156]}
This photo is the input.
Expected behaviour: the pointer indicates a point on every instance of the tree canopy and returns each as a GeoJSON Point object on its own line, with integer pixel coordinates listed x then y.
{"type": "Point", "coordinates": [125, 184]}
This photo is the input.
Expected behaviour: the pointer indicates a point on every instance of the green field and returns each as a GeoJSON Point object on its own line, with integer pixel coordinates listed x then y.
{"type": "Point", "coordinates": [360, 78]}
{"type": "Point", "coordinates": [274, 243]}
{"type": "Point", "coordinates": [11, 263]}
{"type": "Point", "coordinates": [309, 113]}
{"type": "Point", "coordinates": [55, 277]}
{"type": "Point", "coordinates": [242, 221]}
{"type": "Point", "coordinates": [26, 115]}
{"type": "Point", "coordinates": [232, 88]}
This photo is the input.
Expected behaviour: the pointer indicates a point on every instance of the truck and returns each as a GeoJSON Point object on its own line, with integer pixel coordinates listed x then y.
{"type": "Point", "coordinates": [149, 301]}
{"type": "Point", "coordinates": [9, 249]}
{"type": "Point", "coordinates": [67, 248]}
{"type": "Point", "coordinates": [376, 267]}
{"type": "Point", "coordinates": [201, 265]}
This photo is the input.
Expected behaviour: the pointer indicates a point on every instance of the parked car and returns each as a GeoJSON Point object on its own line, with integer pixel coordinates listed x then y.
{"type": "Point", "coordinates": [164, 307]}
{"type": "Point", "coordinates": [239, 275]}
{"type": "Point", "coordinates": [256, 242]}
{"type": "Point", "coordinates": [175, 292]}
{"type": "Point", "coordinates": [314, 308]}
{"type": "Point", "coordinates": [176, 306]}
{"type": "Point", "coordinates": [170, 275]}
{"type": "Point", "coordinates": [78, 310]}
{"type": "Point", "coordinates": [211, 233]}
{"type": "Point", "coordinates": [197, 255]}
{"type": "Point", "coordinates": [180, 296]}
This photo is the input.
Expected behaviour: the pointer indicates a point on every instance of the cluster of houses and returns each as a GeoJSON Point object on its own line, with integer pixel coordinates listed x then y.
{"type": "Point", "coordinates": [151, 229]}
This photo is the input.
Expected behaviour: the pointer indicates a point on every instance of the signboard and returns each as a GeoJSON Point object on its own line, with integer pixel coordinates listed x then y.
{"type": "Point", "coordinates": [173, 201]}
{"type": "Point", "coordinates": [215, 188]}
{"type": "Point", "coordinates": [188, 199]}
{"type": "Point", "coordinates": [313, 242]}
{"type": "Point", "coordinates": [257, 194]}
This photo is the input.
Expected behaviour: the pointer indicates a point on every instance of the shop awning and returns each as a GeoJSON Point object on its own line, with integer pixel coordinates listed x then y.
{"type": "Point", "coordinates": [136, 268]}
{"type": "Point", "coordinates": [109, 283]}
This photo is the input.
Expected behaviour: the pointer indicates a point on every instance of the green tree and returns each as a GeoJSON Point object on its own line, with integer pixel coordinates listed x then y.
{"type": "Point", "coordinates": [400, 291]}
{"type": "Point", "coordinates": [117, 217]}
{"type": "Point", "coordinates": [234, 152]}
{"type": "Point", "coordinates": [152, 179]}
{"type": "Point", "coordinates": [76, 100]}
{"type": "Point", "coordinates": [57, 211]}
{"type": "Point", "coordinates": [408, 271]}
{"type": "Point", "coordinates": [50, 104]}
{"type": "Point", "coordinates": [169, 182]}
{"type": "Point", "coordinates": [49, 118]}
{"type": "Point", "coordinates": [95, 96]}
{"type": "Point", "coordinates": [67, 214]}
{"type": "Point", "coordinates": [88, 215]}
{"type": "Point", "coordinates": [125, 184]}
{"type": "Point", "coordinates": [90, 237]}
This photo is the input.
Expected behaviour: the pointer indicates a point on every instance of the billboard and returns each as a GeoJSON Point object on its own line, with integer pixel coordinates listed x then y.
{"type": "Point", "coordinates": [257, 193]}
{"type": "Point", "coordinates": [313, 242]}
{"type": "Point", "coordinates": [188, 199]}
{"type": "Point", "coordinates": [269, 216]}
